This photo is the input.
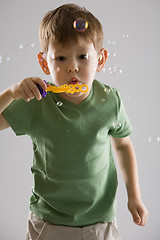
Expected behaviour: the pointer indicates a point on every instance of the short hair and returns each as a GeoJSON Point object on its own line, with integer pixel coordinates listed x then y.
{"type": "Point", "coordinates": [57, 27]}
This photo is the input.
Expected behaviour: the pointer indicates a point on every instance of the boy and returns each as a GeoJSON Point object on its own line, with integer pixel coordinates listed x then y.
{"type": "Point", "coordinates": [75, 178]}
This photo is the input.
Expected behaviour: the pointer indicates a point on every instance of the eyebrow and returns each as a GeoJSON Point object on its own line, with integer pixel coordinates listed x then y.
{"type": "Point", "coordinates": [61, 49]}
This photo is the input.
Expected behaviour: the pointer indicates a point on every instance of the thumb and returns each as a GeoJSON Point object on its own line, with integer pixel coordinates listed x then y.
{"type": "Point", "coordinates": [136, 217]}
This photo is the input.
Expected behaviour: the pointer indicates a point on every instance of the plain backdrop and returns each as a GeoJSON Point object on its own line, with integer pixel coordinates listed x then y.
{"type": "Point", "coordinates": [132, 37]}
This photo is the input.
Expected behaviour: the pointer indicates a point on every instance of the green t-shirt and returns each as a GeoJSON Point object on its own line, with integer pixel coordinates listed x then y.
{"type": "Point", "coordinates": [75, 179]}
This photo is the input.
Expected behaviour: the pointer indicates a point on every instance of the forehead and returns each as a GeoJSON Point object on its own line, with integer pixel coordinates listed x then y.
{"type": "Point", "coordinates": [80, 45]}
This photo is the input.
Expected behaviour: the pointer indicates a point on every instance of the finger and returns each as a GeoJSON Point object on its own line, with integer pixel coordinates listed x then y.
{"type": "Point", "coordinates": [137, 220]}
{"type": "Point", "coordinates": [34, 89]}
{"type": "Point", "coordinates": [40, 82]}
{"type": "Point", "coordinates": [143, 219]}
{"type": "Point", "coordinates": [28, 91]}
{"type": "Point", "coordinates": [136, 217]}
{"type": "Point", "coordinates": [25, 96]}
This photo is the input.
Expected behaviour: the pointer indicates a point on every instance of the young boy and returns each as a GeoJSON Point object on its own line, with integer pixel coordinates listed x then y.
{"type": "Point", "coordinates": [75, 179]}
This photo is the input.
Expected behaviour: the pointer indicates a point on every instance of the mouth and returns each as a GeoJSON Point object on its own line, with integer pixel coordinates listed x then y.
{"type": "Point", "coordinates": [74, 81]}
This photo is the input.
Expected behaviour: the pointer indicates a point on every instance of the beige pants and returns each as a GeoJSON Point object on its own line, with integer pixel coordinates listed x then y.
{"type": "Point", "coordinates": [40, 230]}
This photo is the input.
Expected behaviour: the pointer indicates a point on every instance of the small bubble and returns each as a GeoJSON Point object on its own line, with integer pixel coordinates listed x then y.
{"type": "Point", "coordinates": [127, 97]}
{"type": "Point", "coordinates": [84, 88]}
{"type": "Point", "coordinates": [158, 139]}
{"type": "Point", "coordinates": [21, 46]}
{"type": "Point", "coordinates": [4, 59]}
{"type": "Point", "coordinates": [125, 36]}
{"type": "Point", "coordinates": [80, 24]}
{"type": "Point", "coordinates": [154, 139]}
{"type": "Point", "coordinates": [104, 70]}
{"type": "Point", "coordinates": [44, 55]}
{"type": "Point", "coordinates": [107, 90]}
{"type": "Point", "coordinates": [111, 42]}
{"type": "Point", "coordinates": [7, 59]}
{"type": "Point", "coordinates": [115, 70]}
{"type": "Point", "coordinates": [149, 139]}
{"type": "Point", "coordinates": [26, 45]}
{"type": "Point", "coordinates": [87, 56]}
{"type": "Point", "coordinates": [114, 124]}
{"type": "Point", "coordinates": [59, 104]}
{"type": "Point", "coordinates": [119, 125]}
{"type": "Point", "coordinates": [111, 54]}
{"type": "Point", "coordinates": [58, 69]}
{"type": "Point", "coordinates": [103, 99]}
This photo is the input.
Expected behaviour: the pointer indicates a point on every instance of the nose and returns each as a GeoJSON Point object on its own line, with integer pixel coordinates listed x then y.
{"type": "Point", "coordinates": [73, 66]}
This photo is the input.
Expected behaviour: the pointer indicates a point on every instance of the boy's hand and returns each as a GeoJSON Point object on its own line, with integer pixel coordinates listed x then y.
{"type": "Point", "coordinates": [27, 89]}
{"type": "Point", "coordinates": [138, 211]}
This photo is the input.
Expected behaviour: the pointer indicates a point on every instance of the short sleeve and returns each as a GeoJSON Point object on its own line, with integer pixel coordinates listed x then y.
{"type": "Point", "coordinates": [121, 127]}
{"type": "Point", "coordinates": [22, 116]}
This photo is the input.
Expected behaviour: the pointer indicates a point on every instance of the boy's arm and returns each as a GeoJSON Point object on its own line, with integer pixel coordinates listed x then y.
{"type": "Point", "coordinates": [126, 159]}
{"type": "Point", "coordinates": [26, 89]}
{"type": "Point", "coordinates": [5, 99]}
{"type": "Point", "coordinates": [3, 123]}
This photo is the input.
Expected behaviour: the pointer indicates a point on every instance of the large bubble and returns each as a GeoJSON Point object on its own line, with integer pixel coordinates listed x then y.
{"type": "Point", "coordinates": [80, 24]}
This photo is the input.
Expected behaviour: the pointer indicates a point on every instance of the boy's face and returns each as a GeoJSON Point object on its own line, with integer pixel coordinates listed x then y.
{"type": "Point", "coordinates": [74, 63]}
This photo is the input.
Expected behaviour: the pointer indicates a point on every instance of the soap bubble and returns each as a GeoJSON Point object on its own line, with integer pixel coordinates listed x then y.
{"type": "Point", "coordinates": [103, 99]}
{"type": "Point", "coordinates": [127, 97]}
{"type": "Point", "coordinates": [107, 90]}
{"type": "Point", "coordinates": [111, 42]}
{"type": "Point", "coordinates": [4, 58]}
{"type": "Point", "coordinates": [58, 69]}
{"type": "Point", "coordinates": [21, 46]}
{"type": "Point", "coordinates": [158, 139]}
{"type": "Point", "coordinates": [80, 25]}
{"type": "Point", "coordinates": [26, 45]}
{"type": "Point", "coordinates": [59, 104]}
{"type": "Point", "coordinates": [32, 45]}
{"type": "Point", "coordinates": [0, 59]}
{"type": "Point", "coordinates": [150, 139]}
{"type": "Point", "coordinates": [84, 88]}
{"type": "Point", "coordinates": [7, 58]}
{"type": "Point", "coordinates": [119, 125]}
{"type": "Point", "coordinates": [116, 125]}
{"type": "Point", "coordinates": [111, 54]}
{"type": "Point", "coordinates": [115, 70]}
{"type": "Point", "coordinates": [125, 36]}
{"type": "Point", "coordinates": [154, 139]}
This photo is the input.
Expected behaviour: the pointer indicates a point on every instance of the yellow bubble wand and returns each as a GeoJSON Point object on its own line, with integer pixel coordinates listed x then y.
{"type": "Point", "coordinates": [72, 88]}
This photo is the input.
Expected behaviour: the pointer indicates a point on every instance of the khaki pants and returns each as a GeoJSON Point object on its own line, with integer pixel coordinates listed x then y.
{"type": "Point", "coordinates": [40, 230]}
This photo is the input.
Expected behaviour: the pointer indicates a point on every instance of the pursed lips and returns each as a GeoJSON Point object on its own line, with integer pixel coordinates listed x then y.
{"type": "Point", "coordinates": [74, 81]}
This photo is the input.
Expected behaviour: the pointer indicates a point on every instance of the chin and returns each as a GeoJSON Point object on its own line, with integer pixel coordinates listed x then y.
{"type": "Point", "coordinates": [74, 95]}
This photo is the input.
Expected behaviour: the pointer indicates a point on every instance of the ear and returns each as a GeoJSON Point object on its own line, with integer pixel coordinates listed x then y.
{"type": "Point", "coordinates": [102, 59]}
{"type": "Point", "coordinates": [43, 63]}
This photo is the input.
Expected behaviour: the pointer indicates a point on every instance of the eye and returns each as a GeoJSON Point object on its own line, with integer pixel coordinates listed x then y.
{"type": "Point", "coordinates": [83, 56]}
{"type": "Point", "coordinates": [61, 58]}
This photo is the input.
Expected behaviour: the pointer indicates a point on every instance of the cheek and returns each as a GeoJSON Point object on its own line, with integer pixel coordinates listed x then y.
{"type": "Point", "coordinates": [90, 69]}
{"type": "Point", "coordinates": [55, 71]}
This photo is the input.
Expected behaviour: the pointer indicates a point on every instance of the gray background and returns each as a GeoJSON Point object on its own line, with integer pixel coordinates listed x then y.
{"type": "Point", "coordinates": [131, 35]}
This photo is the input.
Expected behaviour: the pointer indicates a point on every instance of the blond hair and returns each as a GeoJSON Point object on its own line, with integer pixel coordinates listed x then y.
{"type": "Point", "coordinates": [57, 27]}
